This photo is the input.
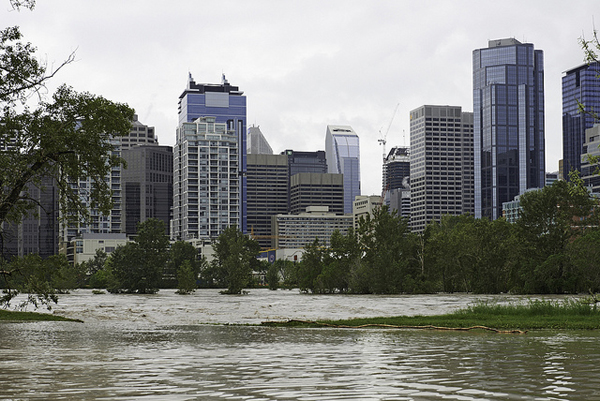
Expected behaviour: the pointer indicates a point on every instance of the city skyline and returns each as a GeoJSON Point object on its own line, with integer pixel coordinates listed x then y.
{"type": "Point", "coordinates": [356, 63]}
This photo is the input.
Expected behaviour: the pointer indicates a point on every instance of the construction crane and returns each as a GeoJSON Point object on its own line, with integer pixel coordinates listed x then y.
{"type": "Point", "coordinates": [383, 136]}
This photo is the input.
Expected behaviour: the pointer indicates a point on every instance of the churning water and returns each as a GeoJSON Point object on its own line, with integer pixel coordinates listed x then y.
{"type": "Point", "coordinates": [160, 347]}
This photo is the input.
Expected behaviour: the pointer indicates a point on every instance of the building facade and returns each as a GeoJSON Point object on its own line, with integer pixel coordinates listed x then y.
{"type": "Point", "coordinates": [298, 230]}
{"type": "Point", "coordinates": [396, 169]}
{"type": "Point", "coordinates": [363, 206]}
{"type": "Point", "coordinates": [396, 180]}
{"type": "Point", "coordinates": [580, 85]}
{"type": "Point", "coordinates": [147, 185]}
{"type": "Point", "coordinates": [508, 108]}
{"type": "Point", "coordinates": [227, 105]}
{"type": "Point", "coordinates": [206, 180]}
{"type": "Point", "coordinates": [257, 143]}
{"type": "Point", "coordinates": [306, 162]}
{"type": "Point", "coordinates": [589, 171]}
{"type": "Point", "coordinates": [314, 189]}
{"type": "Point", "coordinates": [99, 223]}
{"type": "Point", "coordinates": [342, 149]}
{"type": "Point", "coordinates": [84, 247]}
{"type": "Point", "coordinates": [268, 187]}
{"type": "Point", "coordinates": [441, 164]}
{"type": "Point", "coordinates": [140, 134]}
{"type": "Point", "coordinates": [37, 232]}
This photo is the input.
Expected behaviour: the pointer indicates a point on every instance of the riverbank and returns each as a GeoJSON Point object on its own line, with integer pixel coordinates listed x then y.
{"type": "Point", "coordinates": [533, 315]}
{"type": "Point", "coordinates": [17, 316]}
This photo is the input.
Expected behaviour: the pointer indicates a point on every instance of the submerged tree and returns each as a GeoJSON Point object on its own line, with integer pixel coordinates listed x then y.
{"type": "Point", "coordinates": [235, 256]}
{"type": "Point", "coordinates": [138, 266]}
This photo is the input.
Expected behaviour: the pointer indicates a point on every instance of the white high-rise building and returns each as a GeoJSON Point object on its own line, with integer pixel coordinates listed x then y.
{"type": "Point", "coordinates": [206, 180]}
{"type": "Point", "coordinates": [342, 150]}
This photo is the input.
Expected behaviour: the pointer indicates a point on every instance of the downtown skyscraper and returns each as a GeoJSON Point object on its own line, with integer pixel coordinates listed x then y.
{"type": "Point", "coordinates": [342, 150]}
{"type": "Point", "coordinates": [508, 111]}
{"type": "Point", "coordinates": [580, 85]}
{"type": "Point", "coordinates": [209, 161]}
{"type": "Point", "coordinates": [441, 164]}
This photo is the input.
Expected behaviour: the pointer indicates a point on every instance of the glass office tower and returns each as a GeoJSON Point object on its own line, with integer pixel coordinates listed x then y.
{"type": "Point", "coordinates": [580, 84]}
{"type": "Point", "coordinates": [508, 109]}
{"type": "Point", "coordinates": [227, 104]}
{"type": "Point", "coordinates": [343, 157]}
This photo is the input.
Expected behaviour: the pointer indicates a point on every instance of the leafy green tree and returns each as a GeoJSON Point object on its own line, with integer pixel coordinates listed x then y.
{"type": "Point", "coordinates": [273, 276]}
{"type": "Point", "coordinates": [94, 270]}
{"type": "Point", "coordinates": [36, 278]}
{"type": "Point", "coordinates": [310, 267]}
{"type": "Point", "coordinates": [180, 252]}
{"type": "Point", "coordinates": [138, 266]}
{"type": "Point", "coordinates": [235, 257]}
{"type": "Point", "coordinates": [186, 278]}
{"type": "Point", "coordinates": [450, 246]}
{"type": "Point", "coordinates": [550, 219]}
{"type": "Point", "coordinates": [388, 253]}
{"type": "Point", "coordinates": [288, 272]}
{"type": "Point", "coordinates": [339, 260]}
{"type": "Point", "coordinates": [65, 137]}
{"type": "Point", "coordinates": [471, 255]}
{"type": "Point", "coordinates": [585, 256]}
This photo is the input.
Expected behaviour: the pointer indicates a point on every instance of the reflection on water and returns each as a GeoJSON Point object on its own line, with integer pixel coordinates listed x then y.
{"type": "Point", "coordinates": [113, 358]}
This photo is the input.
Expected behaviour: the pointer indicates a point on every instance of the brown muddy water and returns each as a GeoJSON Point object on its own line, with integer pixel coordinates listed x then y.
{"type": "Point", "coordinates": [170, 347]}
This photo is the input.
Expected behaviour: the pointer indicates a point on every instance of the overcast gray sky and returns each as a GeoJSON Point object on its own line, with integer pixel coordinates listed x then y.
{"type": "Point", "coordinates": [302, 64]}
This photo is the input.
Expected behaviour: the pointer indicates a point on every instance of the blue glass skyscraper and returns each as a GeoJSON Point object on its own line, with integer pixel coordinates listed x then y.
{"type": "Point", "coordinates": [508, 111]}
{"type": "Point", "coordinates": [578, 84]}
{"type": "Point", "coordinates": [343, 157]}
{"type": "Point", "coordinates": [227, 104]}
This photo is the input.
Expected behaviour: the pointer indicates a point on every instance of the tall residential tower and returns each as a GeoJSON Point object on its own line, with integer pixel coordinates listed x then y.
{"type": "Point", "coordinates": [508, 108]}
{"type": "Point", "coordinates": [209, 173]}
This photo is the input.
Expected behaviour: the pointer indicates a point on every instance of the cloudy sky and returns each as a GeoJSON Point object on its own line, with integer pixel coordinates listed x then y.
{"type": "Point", "coordinates": [302, 64]}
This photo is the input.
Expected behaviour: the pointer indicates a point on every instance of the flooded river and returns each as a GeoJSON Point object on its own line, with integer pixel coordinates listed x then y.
{"type": "Point", "coordinates": [170, 347]}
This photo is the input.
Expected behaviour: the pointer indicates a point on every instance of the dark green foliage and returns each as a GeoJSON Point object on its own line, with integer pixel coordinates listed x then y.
{"type": "Point", "coordinates": [186, 278]}
{"type": "Point", "coordinates": [33, 276]}
{"type": "Point", "coordinates": [138, 266]}
{"type": "Point", "coordinates": [180, 252]}
{"type": "Point", "coordinates": [235, 258]}
{"type": "Point", "coordinates": [551, 219]}
{"type": "Point", "coordinates": [94, 270]}
{"type": "Point", "coordinates": [273, 277]}
{"type": "Point", "coordinates": [310, 267]}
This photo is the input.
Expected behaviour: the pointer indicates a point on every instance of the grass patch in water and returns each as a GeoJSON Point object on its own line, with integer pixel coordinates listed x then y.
{"type": "Point", "coordinates": [17, 316]}
{"type": "Point", "coordinates": [533, 315]}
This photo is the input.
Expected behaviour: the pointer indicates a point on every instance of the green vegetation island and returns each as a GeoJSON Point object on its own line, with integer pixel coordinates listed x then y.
{"type": "Point", "coordinates": [24, 316]}
{"type": "Point", "coordinates": [507, 319]}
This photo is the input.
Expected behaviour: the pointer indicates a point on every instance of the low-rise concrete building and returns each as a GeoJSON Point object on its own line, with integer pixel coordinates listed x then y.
{"type": "Point", "coordinates": [298, 230]}
{"type": "Point", "coordinates": [83, 248]}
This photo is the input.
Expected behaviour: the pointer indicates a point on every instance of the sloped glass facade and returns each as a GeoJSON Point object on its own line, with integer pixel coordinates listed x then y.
{"type": "Point", "coordinates": [342, 148]}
